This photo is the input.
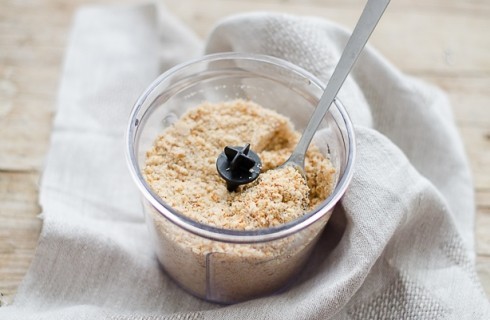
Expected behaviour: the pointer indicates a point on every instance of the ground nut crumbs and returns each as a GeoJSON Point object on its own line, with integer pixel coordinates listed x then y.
{"type": "Point", "coordinates": [181, 167]}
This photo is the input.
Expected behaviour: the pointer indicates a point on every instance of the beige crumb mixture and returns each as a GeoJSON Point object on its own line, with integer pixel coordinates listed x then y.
{"type": "Point", "coordinates": [181, 167]}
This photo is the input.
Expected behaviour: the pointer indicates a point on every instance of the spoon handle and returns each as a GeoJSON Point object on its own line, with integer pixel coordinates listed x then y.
{"type": "Point", "coordinates": [367, 22]}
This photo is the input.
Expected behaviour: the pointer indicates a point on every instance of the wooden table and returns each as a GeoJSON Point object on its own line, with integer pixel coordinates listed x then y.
{"type": "Point", "coordinates": [444, 42]}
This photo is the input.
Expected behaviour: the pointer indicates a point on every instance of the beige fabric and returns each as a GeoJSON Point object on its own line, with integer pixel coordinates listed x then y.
{"type": "Point", "coordinates": [400, 245]}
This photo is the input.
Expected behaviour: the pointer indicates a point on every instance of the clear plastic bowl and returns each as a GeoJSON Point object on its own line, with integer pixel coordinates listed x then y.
{"type": "Point", "coordinates": [228, 266]}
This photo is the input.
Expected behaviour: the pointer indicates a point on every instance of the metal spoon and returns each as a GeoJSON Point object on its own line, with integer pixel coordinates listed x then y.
{"type": "Point", "coordinates": [367, 22]}
{"type": "Point", "coordinates": [239, 165]}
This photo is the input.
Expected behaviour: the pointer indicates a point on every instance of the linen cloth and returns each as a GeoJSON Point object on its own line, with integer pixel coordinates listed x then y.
{"type": "Point", "coordinates": [399, 246]}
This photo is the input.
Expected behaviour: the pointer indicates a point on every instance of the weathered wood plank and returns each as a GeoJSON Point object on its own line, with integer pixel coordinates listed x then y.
{"type": "Point", "coordinates": [19, 227]}
{"type": "Point", "coordinates": [477, 143]}
{"type": "Point", "coordinates": [483, 201]}
{"type": "Point", "coordinates": [25, 132]}
{"type": "Point", "coordinates": [482, 226]}
{"type": "Point", "coordinates": [444, 5]}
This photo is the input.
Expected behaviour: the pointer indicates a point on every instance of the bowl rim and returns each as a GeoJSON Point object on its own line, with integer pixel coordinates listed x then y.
{"type": "Point", "coordinates": [230, 235]}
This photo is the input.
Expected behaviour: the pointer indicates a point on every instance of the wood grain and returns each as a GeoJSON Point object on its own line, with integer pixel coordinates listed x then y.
{"type": "Point", "coordinates": [444, 42]}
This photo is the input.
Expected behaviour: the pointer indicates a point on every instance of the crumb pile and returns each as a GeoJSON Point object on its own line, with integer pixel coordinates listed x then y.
{"type": "Point", "coordinates": [181, 167]}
